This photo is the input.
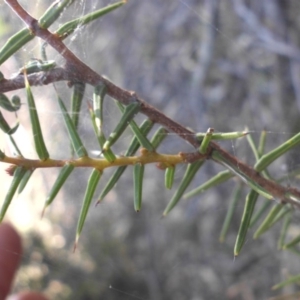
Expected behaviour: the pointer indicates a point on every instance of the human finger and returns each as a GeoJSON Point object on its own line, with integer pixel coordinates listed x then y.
{"type": "Point", "coordinates": [27, 296]}
{"type": "Point", "coordinates": [10, 255]}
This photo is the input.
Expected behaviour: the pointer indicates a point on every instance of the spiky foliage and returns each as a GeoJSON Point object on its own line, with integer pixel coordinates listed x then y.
{"type": "Point", "coordinates": [256, 177]}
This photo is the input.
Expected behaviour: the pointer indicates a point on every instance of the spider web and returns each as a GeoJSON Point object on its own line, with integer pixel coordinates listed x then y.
{"type": "Point", "coordinates": [205, 64]}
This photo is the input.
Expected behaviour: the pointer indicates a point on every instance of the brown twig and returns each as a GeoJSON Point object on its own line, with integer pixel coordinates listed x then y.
{"type": "Point", "coordinates": [75, 70]}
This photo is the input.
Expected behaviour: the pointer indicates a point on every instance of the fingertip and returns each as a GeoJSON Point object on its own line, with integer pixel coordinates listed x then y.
{"type": "Point", "coordinates": [10, 238]}
{"type": "Point", "coordinates": [10, 255]}
{"type": "Point", "coordinates": [27, 296]}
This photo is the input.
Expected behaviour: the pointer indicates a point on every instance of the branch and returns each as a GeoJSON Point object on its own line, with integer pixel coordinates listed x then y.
{"type": "Point", "coordinates": [35, 79]}
{"type": "Point", "coordinates": [76, 71]}
{"type": "Point", "coordinates": [145, 157]}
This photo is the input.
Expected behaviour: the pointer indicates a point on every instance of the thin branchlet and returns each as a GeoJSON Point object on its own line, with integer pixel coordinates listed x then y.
{"type": "Point", "coordinates": [75, 70]}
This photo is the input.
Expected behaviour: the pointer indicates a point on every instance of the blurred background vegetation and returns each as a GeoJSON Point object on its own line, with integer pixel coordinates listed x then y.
{"type": "Point", "coordinates": [204, 63]}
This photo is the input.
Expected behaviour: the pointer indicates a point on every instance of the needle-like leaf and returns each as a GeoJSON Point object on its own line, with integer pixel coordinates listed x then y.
{"type": "Point", "coordinates": [37, 65]}
{"type": "Point", "coordinates": [15, 146]}
{"type": "Point", "coordinates": [217, 156]}
{"type": "Point", "coordinates": [18, 175]}
{"type": "Point", "coordinates": [258, 214]}
{"type": "Point", "coordinates": [39, 143]}
{"type": "Point", "coordinates": [286, 223]}
{"type": "Point", "coordinates": [217, 179]}
{"type": "Point", "coordinates": [258, 152]}
{"type": "Point", "coordinates": [130, 111]}
{"type": "Point", "coordinates": [76, 100]}
{"type": "Point", "coordinates": [190, 172]}
{"type": "Point", "coordinates": [236, 195]}
{"type": "Point", "coordinates": [97, 119]}
{"type": "Point", "coordinates": [89, 192]}
{"type": "Point", "coordinates": [206, 140]}
{"type": "Point", "coordinates": [159, 135]}
{"type": "Point", "coordinates": [268, 158]}
{"type": "Point", "coordinates": [289, 281]}
{"type": "Point", "coordinates": [133, 147]}
{"type": "Point", "coordinates": [73, 135]}
{"type": "Point", "coordinates": [69, 27]}
{"type": "Point", "coordinates": [292, 243]}
{"type": "Point", "coordinates": [223, 135]}
{"type": "Point", "coordinates": [253, 146]}
{"type": "Point", "coordinates": [98, 100]}
{"type": "Point", "coordinates": [53, 12]}
{"type": "Point", "coordinates": [138, 175]}
{"type": "Point", "coordinates": [61, 179]}
{"type": "Point", "coordinates": [25, 180]}
{"type": "Point", "coordinates": [262, 143]}
{"type": "Point", "coordinates": [247, 214]}
{"type": "Point", "coordinates": [18, 40]}
{"type": "Point", "coordinates": [268, 221]}
{"type": "Point", "coordinates": [15, 43]}
{"type": "Point", "coordinates": [169, 177]}
{"type": "Point", "coordinates": [6, 104]}
{"type": "Point", "coordinates": [5, 127]}
{"type": "Point", "coordinates": [140, 136]}
{"type": "Point", "coordinates": [108, 154]}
